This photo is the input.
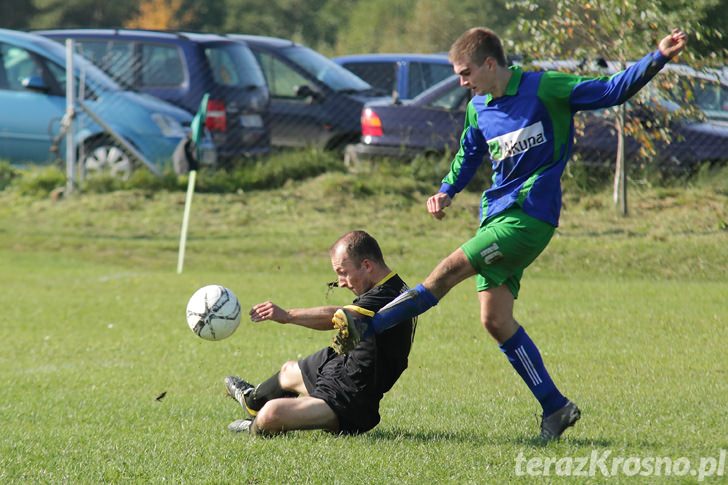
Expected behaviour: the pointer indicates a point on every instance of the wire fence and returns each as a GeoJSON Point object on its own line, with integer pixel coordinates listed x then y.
{"type": "Point", "coordinates": [137, 92]}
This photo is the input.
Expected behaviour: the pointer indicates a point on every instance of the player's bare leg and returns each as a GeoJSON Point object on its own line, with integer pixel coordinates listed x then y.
{"type": "Point", "coordinates": [448, 273]}
{"type": "Point", "coordinates": [291, 378]}
{"type": "Point", "coordinates": [496, 313]}
{"type": "Point", "coordinates": [288, 414]}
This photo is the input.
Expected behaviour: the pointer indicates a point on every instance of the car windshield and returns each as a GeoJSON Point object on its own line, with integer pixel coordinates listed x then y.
{"type": "Point", "coordinates": [711, 97]}
{"type": "Point", "coordinates": [95, 77]}
{"type": "Point", "coordinates": [447, 94]}
{"type": "Point", "coordinates": [325, 70]}
{"type": "Point", "coordinates": [234, 65]}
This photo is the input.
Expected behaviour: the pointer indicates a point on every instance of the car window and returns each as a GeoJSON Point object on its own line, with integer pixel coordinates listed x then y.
{"type": "Point", "coordinates": [452, 99]}
{"type": "Point", "coordinates": [709, 96]}
{"type": "Point", "coordinates": [161, 65]}
{"type": "Point", "coordinates": [324, 69]}
{"type": "Point", "coordinates": [234, 65]}
{"type": "Point", "coordinates": [114, 57]}
{"type": "Point", "coordinates": [59, 75]}
{"type": "Point", "coordinates": [283, 80]}
{"type": "Point", "coordinates": [381, 75]}
{"type": "Point", "coordinates": [423, 75]}
{"type": "Point", "coordinates": [18, 65]}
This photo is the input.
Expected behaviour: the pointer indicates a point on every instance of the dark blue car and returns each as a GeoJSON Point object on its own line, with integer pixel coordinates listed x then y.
{"type": "Point", "coordinates": [180, 68]}
{"type": "Point", "coordinates": [431, 124]}
{"type": "Point", "coordinates": [403, 75]}
{"type": "Point", "coordinates": [314, 101]}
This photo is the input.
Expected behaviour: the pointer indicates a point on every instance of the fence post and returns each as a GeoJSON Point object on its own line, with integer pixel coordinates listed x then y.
{"type": "Point", "coordinates": [70, 114]}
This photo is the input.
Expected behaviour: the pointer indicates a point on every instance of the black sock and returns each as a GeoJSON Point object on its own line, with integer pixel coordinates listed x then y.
{"type": "Point", "coordinates": [265, 391]}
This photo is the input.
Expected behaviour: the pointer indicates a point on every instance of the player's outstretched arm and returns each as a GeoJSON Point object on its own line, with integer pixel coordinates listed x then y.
{"type": "Point", "coordinates": [597, 93]}
{"type": "Point", "coordinates": [317, 318]}
{"type": "Point", "coordinates": [673, 44]}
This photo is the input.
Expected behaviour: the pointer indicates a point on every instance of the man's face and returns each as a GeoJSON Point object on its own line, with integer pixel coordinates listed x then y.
{"type": "Point", "coordinates": [349, 274]}
{"type": "Point", "coordinates": [479, 78]}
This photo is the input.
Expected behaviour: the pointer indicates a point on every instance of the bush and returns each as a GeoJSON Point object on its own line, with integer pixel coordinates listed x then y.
{"type": "Point", "coordinates": [7, 174]}
{"type": "Point", "coordinates": [40, 182]}
{"type": "Point", "coordinates": [270, 173]}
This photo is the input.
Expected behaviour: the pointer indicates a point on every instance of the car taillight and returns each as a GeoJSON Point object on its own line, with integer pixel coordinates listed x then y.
{"type": "Point", "coordinates": [216, 118]}
{"type": "Point", "coordinates": [371, 124]}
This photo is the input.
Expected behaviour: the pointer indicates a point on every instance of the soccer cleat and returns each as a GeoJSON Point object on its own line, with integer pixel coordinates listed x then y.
{"type": "Point", "coordinates": [238, 389]}
{"type": "Point", "coordinates": [240, 425]}
{"type": "Point", "coordinates": [353, 324]}
{"type": "Point", "coordinates": [555, 424]}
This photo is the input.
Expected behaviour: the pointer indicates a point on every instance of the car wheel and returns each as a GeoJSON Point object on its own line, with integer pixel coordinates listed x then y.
{"type": "Point", "coordinates": [104, 155]}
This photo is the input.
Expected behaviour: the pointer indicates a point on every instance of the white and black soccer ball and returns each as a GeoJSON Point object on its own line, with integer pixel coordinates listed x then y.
{"type": "Point", "coordinates": [213, 312]}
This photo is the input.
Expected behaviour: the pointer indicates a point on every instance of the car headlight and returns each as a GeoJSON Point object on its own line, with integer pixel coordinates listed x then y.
{"type": "Point", "coordinates": [168, 126]}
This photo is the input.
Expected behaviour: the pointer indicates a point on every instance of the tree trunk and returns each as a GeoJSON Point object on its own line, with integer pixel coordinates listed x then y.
{"type": "Point", "coordinates": [620, 170]}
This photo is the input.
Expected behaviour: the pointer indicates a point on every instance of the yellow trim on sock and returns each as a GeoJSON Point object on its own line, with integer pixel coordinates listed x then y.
{"type": "Point", "coordinates": [253, 413]}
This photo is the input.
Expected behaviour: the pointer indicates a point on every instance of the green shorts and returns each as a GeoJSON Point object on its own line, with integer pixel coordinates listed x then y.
{"type": "Point", "coordinates": [504, 245]}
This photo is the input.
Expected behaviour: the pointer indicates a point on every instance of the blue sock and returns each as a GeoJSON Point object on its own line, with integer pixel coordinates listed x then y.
{"type": "Point", "coordinates": [407, 305]}
{"type": "Point", "coordinates": [526, 359]}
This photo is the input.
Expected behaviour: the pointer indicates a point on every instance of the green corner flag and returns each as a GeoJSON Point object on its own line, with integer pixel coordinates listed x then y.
{"type": "Point", "coordinates": [198, 125]}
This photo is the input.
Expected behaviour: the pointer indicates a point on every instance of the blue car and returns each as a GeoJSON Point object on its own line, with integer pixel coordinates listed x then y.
{"type": "Point", "coordinates": [180, 67]}
{"type": "Point", "coordinates": [32, 96]}
{"type": "Point", "coordinates": [431, 124]}
{"type": "Point", "coordinates": [402, 75]}
{"type": "Point", "coordinates": [314, 101]}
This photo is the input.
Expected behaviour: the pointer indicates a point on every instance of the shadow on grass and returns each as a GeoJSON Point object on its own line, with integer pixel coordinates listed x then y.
{"type": "Point", "coordinates": [399, 434]}
{"type": "Point", "coordinates": [536, 442]}
{"type": "Point", "coordinates": [473, 437]}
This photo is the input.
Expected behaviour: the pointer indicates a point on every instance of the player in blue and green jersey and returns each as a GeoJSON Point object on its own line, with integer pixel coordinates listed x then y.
{"type": "Point", "coordinates": [524, 122]}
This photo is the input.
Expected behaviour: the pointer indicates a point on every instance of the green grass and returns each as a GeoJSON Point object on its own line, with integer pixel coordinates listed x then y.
{"type": "Point", "coordinates": [630, 315]}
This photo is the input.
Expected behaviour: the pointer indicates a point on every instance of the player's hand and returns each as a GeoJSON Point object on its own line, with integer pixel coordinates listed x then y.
{"type": "Point", "coordinates": [269, 311]}
{"type": "Point", "coordinates": [673, 44]}
{"type": "Point", "coordinates": [437, 203]}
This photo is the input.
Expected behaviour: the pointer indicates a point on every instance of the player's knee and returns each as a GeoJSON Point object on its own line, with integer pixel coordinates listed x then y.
{"type": "Point", "coordinates": [493, 324]}
{"type": "Point", "coordinates": [287, 374]}
{"type": "Point", "coordinates": [269, 417]}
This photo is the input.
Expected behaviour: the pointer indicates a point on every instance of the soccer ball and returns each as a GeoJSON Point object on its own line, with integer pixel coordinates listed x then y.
{"type": "Point", "coordinates": [213, 312]}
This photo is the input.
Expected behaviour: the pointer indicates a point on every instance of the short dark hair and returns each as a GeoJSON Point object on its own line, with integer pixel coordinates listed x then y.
{"type": "Point", "coordinates": [477, 44]}
{"type": "Point", "coordinates": [359, 245]}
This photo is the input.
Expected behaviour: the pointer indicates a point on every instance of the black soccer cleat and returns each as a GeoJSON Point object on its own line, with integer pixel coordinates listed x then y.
{"type": "Point", "coordinates": [353, 324]}
{"type": "Point", "coordinates": [238, 389]}
{"type": "Point", "coordinates": [555, 424]}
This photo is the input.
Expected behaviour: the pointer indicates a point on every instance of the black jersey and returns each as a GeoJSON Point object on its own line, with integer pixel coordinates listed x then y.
{"type": "Point", "coordinates": [383, 357]}
{"type": "Point", "coordinates": [354, 383]}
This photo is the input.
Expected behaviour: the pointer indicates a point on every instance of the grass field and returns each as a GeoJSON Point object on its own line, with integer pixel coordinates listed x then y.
{"type": "Point", "coordinates": [629, 313]}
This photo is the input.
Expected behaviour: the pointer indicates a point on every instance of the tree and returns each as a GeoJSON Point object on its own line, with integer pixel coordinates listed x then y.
{"type": "Point", "coordinates": [82, 13]}
{"type": "Point", "coordinates": [16, 14]}
{"type": "Point", "coordinates": [620, 31]}
{"type": "Point", "coordinates": [312, 22]}
{"type": "Point", "coordinates": [416, 25]}
{"type": "Point", "coordinates": [178, 15]}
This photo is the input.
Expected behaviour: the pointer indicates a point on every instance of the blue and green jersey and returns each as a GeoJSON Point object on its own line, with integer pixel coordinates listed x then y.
{"type": "Point", "coordinates": [528, 134]}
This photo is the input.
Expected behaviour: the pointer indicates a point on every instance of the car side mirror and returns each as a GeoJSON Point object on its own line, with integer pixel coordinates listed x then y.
{"type": "Point", "coordinates": [35, 83]}
{"type": "Point", "coordinates": [305, 91]}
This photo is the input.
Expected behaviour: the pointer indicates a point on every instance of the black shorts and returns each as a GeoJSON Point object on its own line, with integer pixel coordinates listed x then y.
{"type": "Point", "coordinates": [327, 377]}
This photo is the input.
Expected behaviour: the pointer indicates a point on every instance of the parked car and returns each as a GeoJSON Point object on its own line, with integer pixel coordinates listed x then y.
{"type": "Point", "coordinates": [181, 68]}
{"type": "Point", "coordinates": [314, 101]}
{"type": "Point", "coordinates": [403, 75]}
{"type": "Point", "coordinates": [32, 96]}
{"type": "Point", "coordinates": [432, 124]}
